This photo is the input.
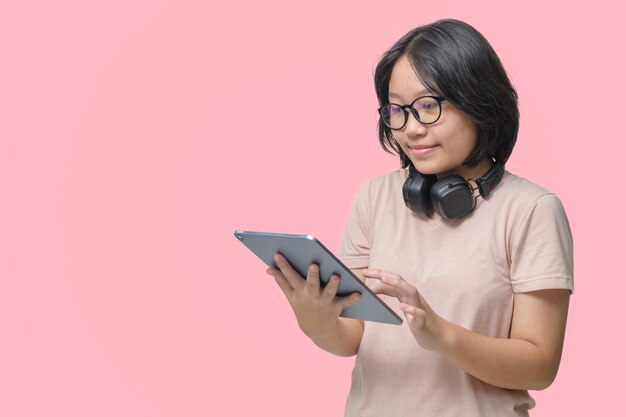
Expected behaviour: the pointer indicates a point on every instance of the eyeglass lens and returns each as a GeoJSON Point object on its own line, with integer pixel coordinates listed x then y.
{"type": "Point", "coordinates": [425, 109]}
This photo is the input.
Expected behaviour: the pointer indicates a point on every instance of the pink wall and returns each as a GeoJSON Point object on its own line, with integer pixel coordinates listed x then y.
{"type": "Point", "coordinates": [136, 136]}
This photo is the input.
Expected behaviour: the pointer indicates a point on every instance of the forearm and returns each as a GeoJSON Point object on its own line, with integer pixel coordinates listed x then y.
{"type": "Point", "coordinates": [503, 362]}
{"type": "Point", "coordinates": [529, 359]}
{"type": "Point", "coordinates": [343, 339]}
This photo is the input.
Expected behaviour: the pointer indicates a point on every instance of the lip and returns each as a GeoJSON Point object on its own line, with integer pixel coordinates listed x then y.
{"type": "Point", "coordinates": [422, 149]}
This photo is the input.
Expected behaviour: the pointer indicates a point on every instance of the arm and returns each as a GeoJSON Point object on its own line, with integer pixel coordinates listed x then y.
{"type": "Point", "coordinates": [528, 359]}
{"type": "Point", "coordinates": [346, 337]}
{"type": "Point", "coordinates": [317, 309]}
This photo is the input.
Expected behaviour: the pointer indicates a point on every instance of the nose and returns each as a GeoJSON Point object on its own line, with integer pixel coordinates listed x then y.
{"type": "Point", "coordinates": [414, 127]}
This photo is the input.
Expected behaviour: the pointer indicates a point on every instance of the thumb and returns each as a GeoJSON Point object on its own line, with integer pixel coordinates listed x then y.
{"type": "Point", "coordinates": [348, 300]}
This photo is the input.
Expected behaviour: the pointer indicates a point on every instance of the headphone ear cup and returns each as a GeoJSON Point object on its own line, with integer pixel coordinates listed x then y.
{"type": "Point", "coordinates": [451, 197]}
{"type": "Point", "coordinates": [416, 192]}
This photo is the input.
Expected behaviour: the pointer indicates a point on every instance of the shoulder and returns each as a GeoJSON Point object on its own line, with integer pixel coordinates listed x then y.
{"type": "Point", "coordinates": [389, 181]}
{"type": "Point", "coordinates": [382, 192]}
{"type": "Point", "coordinates": [522, 187]}
{"type": "Point", "coordinates": [521, 193]}
{"type": "Point", "coordinates": [525, 205]}
{"type": "Point", "coordinates": [517, 204]}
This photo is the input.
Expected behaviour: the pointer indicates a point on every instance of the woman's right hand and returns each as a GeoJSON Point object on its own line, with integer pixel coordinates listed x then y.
{"type": "Point", "coordinates": [317, 309]}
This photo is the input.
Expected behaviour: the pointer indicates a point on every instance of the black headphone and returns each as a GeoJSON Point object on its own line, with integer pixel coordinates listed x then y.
{"type": "Point", "coordinates": [451, 197]}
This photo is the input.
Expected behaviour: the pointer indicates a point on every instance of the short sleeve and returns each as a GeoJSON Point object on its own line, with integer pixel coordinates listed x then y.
{"type": "Point", "coordinates": [356, 244]}
{"type": "Point", "coordinates": [542, 248]}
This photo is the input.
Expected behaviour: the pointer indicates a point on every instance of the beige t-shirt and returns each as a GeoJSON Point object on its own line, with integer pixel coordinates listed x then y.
{"type": "Point", "coordinates": [516, 240]}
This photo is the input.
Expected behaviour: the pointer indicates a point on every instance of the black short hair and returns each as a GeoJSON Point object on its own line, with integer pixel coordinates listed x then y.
{"type": "Point", "coordinates": [454, 60]}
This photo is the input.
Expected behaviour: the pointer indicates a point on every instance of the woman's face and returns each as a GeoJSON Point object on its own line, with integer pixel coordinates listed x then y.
{"type": "Point", "coordinates": [439, 148]}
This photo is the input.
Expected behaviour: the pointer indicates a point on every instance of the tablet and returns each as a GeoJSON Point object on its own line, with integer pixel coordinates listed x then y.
{"type": "Point", "coordinates": [303, 250]}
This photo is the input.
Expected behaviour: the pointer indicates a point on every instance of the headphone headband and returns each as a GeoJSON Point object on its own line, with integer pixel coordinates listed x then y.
{"type": "Point", "coordinates": [488, 182]}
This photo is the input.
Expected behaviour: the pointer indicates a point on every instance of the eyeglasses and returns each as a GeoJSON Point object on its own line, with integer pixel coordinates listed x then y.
{"type": "Point", "coordinates": [426, 110]}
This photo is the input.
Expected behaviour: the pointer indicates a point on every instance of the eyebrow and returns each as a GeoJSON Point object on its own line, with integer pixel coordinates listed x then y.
{"type": "Point", "coordinates": [419, 93]}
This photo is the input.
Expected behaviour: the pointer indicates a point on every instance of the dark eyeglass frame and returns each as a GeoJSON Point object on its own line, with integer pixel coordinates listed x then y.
{"type": "Point", "coordinates": [414, 112]}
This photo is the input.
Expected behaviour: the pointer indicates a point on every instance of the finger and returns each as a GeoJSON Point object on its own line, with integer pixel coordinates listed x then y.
{"type": "Point", "coordinates": [372, 273]}
{"type": "Point", "coordinates": [377, 272]}
{"type": "Point", "coordinates": [282, 282]}
{"type": "Point", "coordinates": [330, 290]}
{"type": "Point", "coordinates": [404, 288]}
{"type": "Point", "coordinates": [313, 279]}
{"type": "Point", "coordinates": [347, 301]}
{"type": "Point", "coordinates": [386, 290]}
{"type": "Point", "coordinates": [381, 275]}
{"type": "Point", "coordinates": [410, 319]}
{"type": "Point", "coordinates": [407, 308]}
{"type": "Point", "coordinates": [413, 314]}
{"type": "Point", "coordinates": [295, 280]}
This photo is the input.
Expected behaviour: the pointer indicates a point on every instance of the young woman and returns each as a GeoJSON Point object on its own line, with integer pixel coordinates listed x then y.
{"type": "Point", "coordinates": [477, 259]}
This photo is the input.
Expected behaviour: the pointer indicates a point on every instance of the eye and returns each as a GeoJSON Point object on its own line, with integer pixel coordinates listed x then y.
{"type": "Point", "coordinates": [428, 104]}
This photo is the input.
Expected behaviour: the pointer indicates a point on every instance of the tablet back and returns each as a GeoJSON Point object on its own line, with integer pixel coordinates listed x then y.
{"type": "Point", "coordinates": [302, 251]}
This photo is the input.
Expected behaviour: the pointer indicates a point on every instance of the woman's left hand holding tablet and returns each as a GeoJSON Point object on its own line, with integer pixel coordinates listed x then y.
{"type": "Point", "coordinates": [424, 323]}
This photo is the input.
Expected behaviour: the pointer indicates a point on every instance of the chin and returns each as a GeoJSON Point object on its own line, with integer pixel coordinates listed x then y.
{"type": "Point", "coordinates": [427, 168]}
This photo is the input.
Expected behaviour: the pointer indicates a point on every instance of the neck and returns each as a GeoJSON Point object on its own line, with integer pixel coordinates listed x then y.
{"type": "Point", "coordinates": [469, 173]}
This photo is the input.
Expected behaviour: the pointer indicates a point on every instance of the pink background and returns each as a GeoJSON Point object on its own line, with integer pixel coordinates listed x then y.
{"type": "Point", "coordinates": [136, 136]}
